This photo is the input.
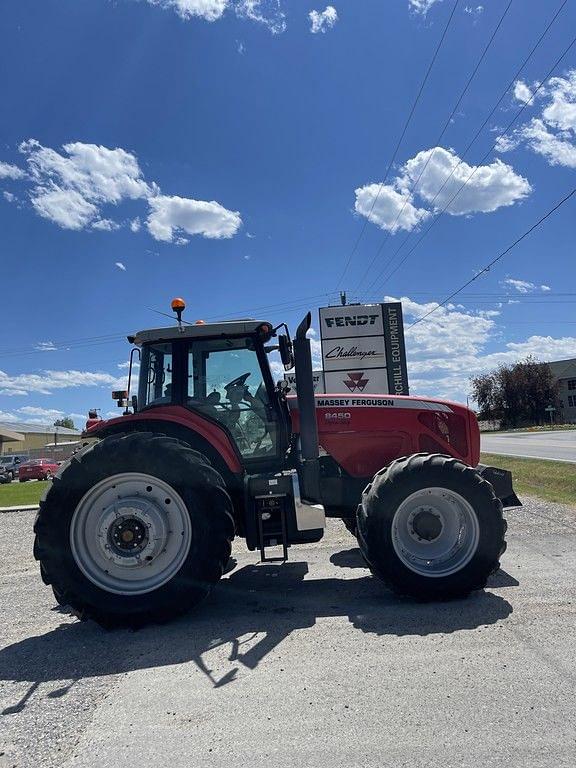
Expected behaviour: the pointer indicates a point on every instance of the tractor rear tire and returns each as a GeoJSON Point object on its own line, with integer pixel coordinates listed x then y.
{"type": "Point", "coordinates": [431, 527]}
{"type": "Point", "coordinates": [139, 487]}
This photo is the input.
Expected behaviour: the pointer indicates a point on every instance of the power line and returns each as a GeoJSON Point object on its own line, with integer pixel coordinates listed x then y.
{"type": "Point", "coordinates": [298, 299]}
{"type": "Point", "coordinates": [383, 276]}
{"type": "Point", "coordinates": [414, 186]}
{"type": "Point", "coordinates": [490, 264]}
{"type": "Point", "coordinates": [501, 295]}
{"type": "Point", "coordinates": [399, 142]}
{"type": "Point", "coordinates": [64, 346]}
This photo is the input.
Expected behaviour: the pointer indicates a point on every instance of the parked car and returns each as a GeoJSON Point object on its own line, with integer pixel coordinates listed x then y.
{"type": "Point", "coordinates": [9, 467]}
{"type": "Point", "coordinates": [37, 469]}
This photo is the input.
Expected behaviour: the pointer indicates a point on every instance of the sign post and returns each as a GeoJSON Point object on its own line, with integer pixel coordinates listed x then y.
{"type": "Point", "coordinates": [550, 409]}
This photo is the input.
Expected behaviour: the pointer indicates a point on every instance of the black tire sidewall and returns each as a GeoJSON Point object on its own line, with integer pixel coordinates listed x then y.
{"type": "Point", "coordinates": [379, 508]}
{"type": "Point", "coordinates": [201, 490]}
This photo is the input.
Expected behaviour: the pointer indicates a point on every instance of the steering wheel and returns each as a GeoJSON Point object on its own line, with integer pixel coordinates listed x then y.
{"type": "Point", "coordinates": [239, 381]}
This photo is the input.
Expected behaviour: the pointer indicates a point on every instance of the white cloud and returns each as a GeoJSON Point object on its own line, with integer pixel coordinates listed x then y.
{"type": "Point", "coordinates": [45, 346]}
{"type": "Point", "coordinates": [388, 208]}
{"type": "Point", "coordinates": [8, 171]}
{"type": "Point", "coordinates": [435, 176]}
{"type": "Point", "coordinates": [105, 225]}
{"type": "Point", "coordinates": [36, 415]}
{"type": "Point", "coordinates": [99, 174]}
{"type": "Point", "coordinates": [473, 10]}
{"type": "Point", "coordinates": [266, 12]}
{"type": "Point", "coordinates": [209, 10]}
{"type": "Point", "coordinates": [488, 187]}
{"type": "Point", "coordinates": [523, 286]}
{"type": "Point", "coordinates": [71, 187]}
{"type": "Point", "coordinates": [522, 92]}
{"type": "Point", "coordinates": [322, 21]}
{"type": "Point", "coordinates": [421, 6]}
{"type": "Point", "coordinates": [240, 47]}
{"type": "Point", "coordinates": [560, 111]}
{"type": "Point", "coordinates": [553, 133]}
{"type": "Point", "coordinates": [7, 417]}
{"type": "Point", "coordinates": [451, 345]}
{"type": "Point", "coordinates": [48, 413]}
{"type": "Point", "coordinates": [9, 197]}
{"type": "Point", "coordinates": [556, 148]}
{"type": "Point", "coordinates": [64, 207]}
{"type": "Point", "coordinates": [47, 381]}
{"type": "Point", "coordinates": [250, 235]}
{"type": "Point", "coordinates": [168, 215]}
{"type": "Point", "coordinates": [120, 266]}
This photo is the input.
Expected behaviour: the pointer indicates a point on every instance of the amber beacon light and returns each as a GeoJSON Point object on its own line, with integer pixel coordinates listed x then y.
{"type": "Point", "coordinates": [178, 306]}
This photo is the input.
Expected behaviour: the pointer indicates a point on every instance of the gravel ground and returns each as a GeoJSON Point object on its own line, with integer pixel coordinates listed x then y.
{"type": "Point", "coordinates": [309, 664]}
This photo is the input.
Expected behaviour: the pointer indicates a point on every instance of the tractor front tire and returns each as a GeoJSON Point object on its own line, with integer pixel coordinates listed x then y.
{"type": "Point", "coordinates": [431, 528]}
{"type": "Point", "coordinates": [134, 529]}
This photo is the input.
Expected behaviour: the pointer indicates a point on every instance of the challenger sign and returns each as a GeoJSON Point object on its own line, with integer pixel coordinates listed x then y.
{"type": "Point", "coordinates": [363, 349]}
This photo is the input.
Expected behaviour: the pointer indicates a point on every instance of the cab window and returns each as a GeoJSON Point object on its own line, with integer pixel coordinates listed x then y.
{"type": "Point", "coordinates": [156, 380]}
{"type": "Point", "coordinates": [225, 382]}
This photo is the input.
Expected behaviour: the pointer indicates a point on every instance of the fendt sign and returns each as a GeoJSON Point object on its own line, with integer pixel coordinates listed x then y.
{"type": "Point", "coordinates": [363, 349]}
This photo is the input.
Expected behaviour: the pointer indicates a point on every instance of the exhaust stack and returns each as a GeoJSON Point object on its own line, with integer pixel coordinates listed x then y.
{"type": "Point", "coordinates": [310, 469]}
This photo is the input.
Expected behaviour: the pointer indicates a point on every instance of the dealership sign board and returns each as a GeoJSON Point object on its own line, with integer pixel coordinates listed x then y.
{"type": "Point", "coordinates": [363, 349]}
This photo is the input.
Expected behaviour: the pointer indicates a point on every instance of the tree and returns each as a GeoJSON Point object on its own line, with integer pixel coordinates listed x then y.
{"type": "Point", "coordinates": [516, 394]}
{"type": "Point", "coordinates": [66, 421]}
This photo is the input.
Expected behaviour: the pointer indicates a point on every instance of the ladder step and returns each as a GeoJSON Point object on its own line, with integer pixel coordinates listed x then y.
{"type": "Point", "coordinates": [273, 531]}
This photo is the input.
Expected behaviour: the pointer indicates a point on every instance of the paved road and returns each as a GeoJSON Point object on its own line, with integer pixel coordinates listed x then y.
{"type": "Point", "coordinates": [559, 445]}
{"type": "Point", "coordinates": [308, 665]}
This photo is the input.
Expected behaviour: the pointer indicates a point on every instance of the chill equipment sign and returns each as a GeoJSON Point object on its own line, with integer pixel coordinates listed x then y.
{"type": "Point", "coordinates": [363, 349]}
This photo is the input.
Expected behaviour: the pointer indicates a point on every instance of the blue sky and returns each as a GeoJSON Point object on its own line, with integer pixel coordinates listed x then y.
{"type": "Point", "coordinates": [233, 151]}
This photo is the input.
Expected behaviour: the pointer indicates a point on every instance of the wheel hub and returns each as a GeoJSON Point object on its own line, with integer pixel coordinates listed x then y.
{"type": "Point", "coordinates": [435, 532]}
{"type": "Point", "coordinates": [130, 533]}
{"type": "Point", "coordinates": [426, 524]}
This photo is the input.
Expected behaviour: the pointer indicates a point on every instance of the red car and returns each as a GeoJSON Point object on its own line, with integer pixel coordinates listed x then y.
{"type": "Point", "coordinates": [37, 469]}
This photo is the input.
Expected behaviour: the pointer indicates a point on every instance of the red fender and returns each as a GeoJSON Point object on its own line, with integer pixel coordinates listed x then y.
{"type": "Point", "coordinates": [176, 414]}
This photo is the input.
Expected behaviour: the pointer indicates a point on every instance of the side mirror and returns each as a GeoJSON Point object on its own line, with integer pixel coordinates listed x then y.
{"type": "Point", "coordinates": [286, 351]}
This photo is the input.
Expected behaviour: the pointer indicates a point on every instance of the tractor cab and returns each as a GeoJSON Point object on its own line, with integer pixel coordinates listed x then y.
{"type": "Point", "coordinates": [221, 372]}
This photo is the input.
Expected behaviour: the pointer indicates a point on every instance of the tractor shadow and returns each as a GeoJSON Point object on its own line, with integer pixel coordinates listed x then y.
{"type": "Point", "coordinates": [352, 558]}
{"type": "Point", "coordinates": [249, 614]}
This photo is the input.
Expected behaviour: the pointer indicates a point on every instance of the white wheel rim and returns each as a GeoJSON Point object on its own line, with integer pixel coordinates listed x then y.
{"type": "Point", "coordinates": [435, 532]}
{"type": "Point", "coordinates": [130, 534]}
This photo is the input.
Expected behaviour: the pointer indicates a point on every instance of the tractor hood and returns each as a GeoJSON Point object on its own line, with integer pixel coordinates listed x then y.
{"type": "Point", "coordinates": [363, 433]}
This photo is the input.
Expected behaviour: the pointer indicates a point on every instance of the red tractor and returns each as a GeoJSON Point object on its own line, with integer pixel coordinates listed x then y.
{"type": "Point", "coordinates": [138, 526]}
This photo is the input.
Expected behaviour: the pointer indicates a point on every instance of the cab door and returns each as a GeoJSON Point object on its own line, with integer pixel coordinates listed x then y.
{"type": "Point", "coordinates": [229, 381]}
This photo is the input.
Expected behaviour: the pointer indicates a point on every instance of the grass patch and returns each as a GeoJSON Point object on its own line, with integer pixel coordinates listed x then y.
{"type": "Point", "coordinates": [540, 428]}
{"type": "Point", "coordinates": [15, 493]}
{"type": "Point", "coordinates": [549, 480]}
